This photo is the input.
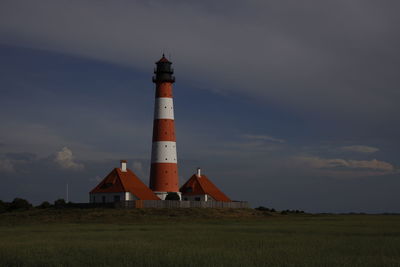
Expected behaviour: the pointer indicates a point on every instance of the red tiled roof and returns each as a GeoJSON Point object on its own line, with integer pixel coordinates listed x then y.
{"type": "Point", "coordinates": [117, 181]}
{"type": "Point", "coordinates": [202, 185]}
{"type": "Point", "coordinates": [163, 59]}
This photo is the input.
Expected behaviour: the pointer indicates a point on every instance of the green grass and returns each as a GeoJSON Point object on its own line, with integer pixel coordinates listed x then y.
{"type": "Point", "coordinates": [196, 237]}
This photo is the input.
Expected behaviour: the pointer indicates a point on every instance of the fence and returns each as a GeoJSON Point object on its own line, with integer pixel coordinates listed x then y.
{"type": "Point", "coordinates": [181, 204]}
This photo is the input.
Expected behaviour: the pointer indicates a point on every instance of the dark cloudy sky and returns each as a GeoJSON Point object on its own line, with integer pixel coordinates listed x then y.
{"type": "Point", "coordinates": [286, 104]}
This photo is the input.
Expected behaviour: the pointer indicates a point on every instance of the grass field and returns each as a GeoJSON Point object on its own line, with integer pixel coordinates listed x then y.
{"type": "Point", "coordinates": [196, 238]}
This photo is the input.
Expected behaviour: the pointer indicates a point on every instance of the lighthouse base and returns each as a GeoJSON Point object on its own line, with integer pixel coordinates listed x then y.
{"type": "Point", "coordinates": [169, 195]}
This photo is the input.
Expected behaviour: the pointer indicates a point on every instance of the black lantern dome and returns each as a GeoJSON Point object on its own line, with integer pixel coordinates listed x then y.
{"type": "Point", "coordinates": [163, 72]}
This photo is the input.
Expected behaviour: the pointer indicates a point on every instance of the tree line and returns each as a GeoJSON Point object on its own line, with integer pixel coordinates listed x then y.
{"type": "Point", "coordinates": [19, 204]}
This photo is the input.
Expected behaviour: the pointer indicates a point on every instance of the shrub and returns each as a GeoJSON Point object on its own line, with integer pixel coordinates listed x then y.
{"type": "Point", "coordinates": [60, 203]}
{"type": "Point", "coordinates": [262, 208]}
{"type": "Point", "coordinates": [20, 204]}
{"type": "Point", "coordinates": [292, 211]}
{"type": "Point", "coordinates": [44, 205]}
{"type": "Point", "coordinates": [172, 196]}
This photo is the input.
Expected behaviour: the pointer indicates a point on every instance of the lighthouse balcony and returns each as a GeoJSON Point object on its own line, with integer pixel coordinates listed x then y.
{"type": "Point", "coordinates": [163, 70]}
{"type": "Point", "coordinates": [163, 78]}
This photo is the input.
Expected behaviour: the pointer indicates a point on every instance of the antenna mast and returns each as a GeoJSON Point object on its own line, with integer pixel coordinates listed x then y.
{"type": "Point", "coordinates": [67, 191]}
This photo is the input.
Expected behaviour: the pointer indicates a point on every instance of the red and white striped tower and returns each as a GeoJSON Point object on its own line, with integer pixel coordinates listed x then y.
{"type": "Point", "coordinates": [164, 167]}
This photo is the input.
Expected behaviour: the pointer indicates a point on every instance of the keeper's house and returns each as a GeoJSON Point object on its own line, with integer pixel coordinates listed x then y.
{"type": "Point", "coordinates": [121, 184]}
{"type": "Point", "coordinates": [200, 188]}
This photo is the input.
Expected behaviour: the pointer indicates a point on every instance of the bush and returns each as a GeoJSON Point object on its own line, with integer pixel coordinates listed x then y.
{"type": "Point", "coordinates": [172, 196]}
{"type": "Point", "coordinates": [3, 206]}
{"type": "Point", "coordinates": [262, 208]}
{"type": "Point", "coordinates": [292, 211]}
{"type": "Point", "coordinates": [20, 204]}
{"type": "Point", "coordinates": [44, 205]}
{"type": "Point", "coordinates": [60, 203]}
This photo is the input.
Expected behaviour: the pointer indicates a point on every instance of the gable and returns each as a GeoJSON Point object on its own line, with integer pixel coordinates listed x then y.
{"type": "Point", "coordinates": [134, 185]}
{"type": "Point", "coordinates": [201, 186]}
{"type": "Point", "coordinates": [119, 182]}
{"type": "Point", "coordinates": [110, 184]}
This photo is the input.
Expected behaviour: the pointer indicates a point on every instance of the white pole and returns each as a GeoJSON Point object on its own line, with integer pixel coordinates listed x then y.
{"type": "Point", "coordinates": [67, 193]}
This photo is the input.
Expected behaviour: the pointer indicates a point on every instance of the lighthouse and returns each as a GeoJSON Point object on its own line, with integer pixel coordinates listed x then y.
{"type": "Point", "coordinates": [164, 167]}
{"type": "Point", "coordinates": [123, 187]}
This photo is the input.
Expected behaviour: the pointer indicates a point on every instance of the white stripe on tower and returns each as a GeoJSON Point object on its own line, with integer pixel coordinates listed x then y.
{"type": "Point", "coordinates": [164, 108]}
{"type": "Point", "coordinates": [163, 152]}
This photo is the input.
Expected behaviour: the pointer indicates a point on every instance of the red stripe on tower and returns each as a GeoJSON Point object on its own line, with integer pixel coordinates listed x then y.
{"type": "Point", "coordinates": [164, 167]}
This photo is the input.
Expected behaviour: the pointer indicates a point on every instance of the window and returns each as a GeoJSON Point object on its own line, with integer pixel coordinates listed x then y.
{"type": "Point", "coordinates": [117, 198]}
{"type": "Point", "coordinates": [106, 185]}
{"type": "Point", "coordinates": [189, 190]}
{"type": "Point", "coordinates": [197, 199]}
{"type": "Point", "coordinates": [103, 199]}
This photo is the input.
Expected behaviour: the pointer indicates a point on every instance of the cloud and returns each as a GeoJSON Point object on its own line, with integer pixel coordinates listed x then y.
{"type": "Point", "coordinates": [6, 166]}
{"type": "Point", "coordinates": [360, 149]}
{"type": "Point", "coordinates": [322, 163]}
{"type": "Point", "coordinates": [96, 179]}
{"type": "Point", "coordinates": [137, 166]}
{"type": "Point", "coordinates": [45, 138]}
{"type": "Point", "coordinates": [138, 169]}
{"type": "Point", "coordinates": [41, 138]}
{"type": "Point", "coordinates": [372, 164]}
{"type": "Point", "coordinates": [65, 159]}
{"type": "Point", "coordinates": [263, 138]}
{"type": "Point", "coordinates": [21, 156]}
{"type": "Point", "coordinates": [302, 55]}
{"type": "Point", "coordinates": [10, 161]}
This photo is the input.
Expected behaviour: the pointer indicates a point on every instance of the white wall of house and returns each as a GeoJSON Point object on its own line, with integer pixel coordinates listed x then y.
{"type": "Point", "coordinates": [197, 198]}
{"type": "Point", "coordinates": [130, 196]}
{"type": "Point", "coordinates": [111, 197]}
{"type": "Point", "coordinates": [163, 195]}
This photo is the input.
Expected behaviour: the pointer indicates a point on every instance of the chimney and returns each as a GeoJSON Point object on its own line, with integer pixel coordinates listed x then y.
{"type": "Point", "coordinates": [123, 165]}
{"type": "Point", "coordinates": [198, 174]}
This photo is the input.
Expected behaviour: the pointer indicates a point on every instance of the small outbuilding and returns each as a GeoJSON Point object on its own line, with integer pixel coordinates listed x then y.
{"type": "Point", "coordinates": [200, 188]}
{"type": "Point", "coordinates": [121, 184]}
